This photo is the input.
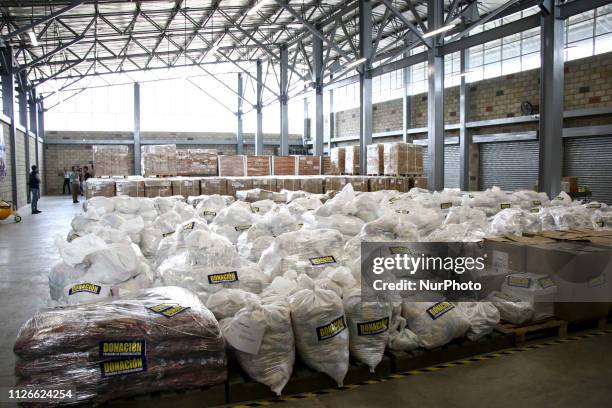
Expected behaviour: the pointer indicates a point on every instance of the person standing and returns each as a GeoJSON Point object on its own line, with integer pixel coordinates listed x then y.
{"type": "Point", "coordinates": [34, 184]}
{"type": "Point", "coordinates": [66, 181]}
{"type": "Point", "coordinates": [74, 182]}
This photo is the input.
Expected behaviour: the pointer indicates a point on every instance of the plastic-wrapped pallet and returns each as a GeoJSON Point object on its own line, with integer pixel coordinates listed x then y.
{"type": "Point", "coordinates": [262, 336]}
{"type": "Point", "coordinates": [483, 317]}
{"type": "Point", "coordinates": [257, 166]}
{"type": "Point", "coordinates": [368, 324]}
{"type": "Point", "coordinates": [283, 165]}
{"type": "Point", "coordinates": [232, 165]}
{"type": "Point", "coordinates": [157, 187]}
{"type": "Point", "coordinates": [402, 159]}
{"type": "Point", "coordinates": [96, 187]}
{"type": "Point", "coordinates": [159, 160]}
{"type": "Point", "coordinates": [351, 159]}
{"type": "Point", "coordinates": [435, 324]}
{"type": "Point", "coordinates": [186, 186]}
{"type": "Point", "coordinates": [337, 160]}
{"type": "Point", "coordinates": [196, 162]}
{"type": "Point", "coordinates": [160, 339]}
{"type": "Point", "coordinates": [111, 160]}
{"type": "Point", "coordinates": [133, 186]}
{"type": "Point", "coordinates": [376, 159]}
{"type": "Point", "coordinates": [539, 290]}
{"type": "Point", "coordinates": [308, 165]}
{"type": "Point", "coordinates": [514, 221]}
{"type": "Point", "coordinates": [322, 340]}
{"type": "Point", "coordinates": [213, 185]}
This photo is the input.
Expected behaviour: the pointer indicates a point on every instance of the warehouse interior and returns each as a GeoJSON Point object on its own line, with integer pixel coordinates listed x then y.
{"type": "Point", "coordinates": [248, 151]}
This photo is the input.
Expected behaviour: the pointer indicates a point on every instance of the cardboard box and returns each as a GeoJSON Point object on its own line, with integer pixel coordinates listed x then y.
{"type": "Point", "coordinates": [337, 157]}
{"type": "Point", "coordinates": [503, 257]}
{"type": "Point", "coordinates": [238, 183]}
{"type": "Point", "coordinates": [265, 183]}
{"type": "Point", "coordinates": [159, 160]}
{"type": "Point", "coordinates": [283, 165]}
{"type": "Point", "coordinates": [401, 184]}
{"type": "Point", "coordinates": [308, 165]}
{"type": "Point", "coordinates": [359, 183]}
{"type": "Point", "coordinates": [288, 183]}
{"type": "Point", "coordinates": [213, 185]}
{"type": "Point", "coordinates": [186, 186]}
{"type": "Point", "coordinates": [157, 187]}
{"type": "Point", "coordinates": [376, 159]}
{"type": "Point", "coordinates": [351, 159]}
{"type": "Point", "coordinates": [131, 187]}
{"type": "Point", "coordinates": [572, 184]}
{"type": "Point", "coordinates": [257, 166]}
{"type": "Point", "coordinates": [111, 160]}
{"type": "Point", "coordinates": [196, 162]}
{"type": "Point", "coordinates": [96, 187]}
{"type": "Point", "coordinates": [312, 184]}
{"type": "Point", "coordinates": [378, 183]}
{"type": "Point", "coordinates": [420, 182]}
{"type": "Point", "coordinates": [403, 159]}
{"type": "Point", "coordinates": [232, 165]}
{"type": "Point", "coordinates": [326, 165]}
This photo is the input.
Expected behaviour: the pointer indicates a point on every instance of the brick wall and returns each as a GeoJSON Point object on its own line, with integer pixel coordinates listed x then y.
{"type": "Point", "coordinates": [5, 182]}
{"type": "Point", "coordinates": [588, 84]}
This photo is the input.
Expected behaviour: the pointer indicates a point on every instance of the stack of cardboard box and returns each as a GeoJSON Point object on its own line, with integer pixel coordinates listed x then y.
{"type": "Point", "coordinates": [196, 162]}
{"type": "Point", "coordinates": [159, 160]}
{"type": "Point", "coordinates": [111, 160]}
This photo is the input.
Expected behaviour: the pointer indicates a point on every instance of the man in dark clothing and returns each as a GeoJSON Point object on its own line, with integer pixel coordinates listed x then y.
{"type": "Point", "coordinates": [66, 181]}
{"type": "Point", "coordinates": [34, 183]}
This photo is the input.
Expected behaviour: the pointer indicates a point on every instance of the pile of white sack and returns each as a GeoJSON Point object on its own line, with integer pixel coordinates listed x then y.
{"type": "Point", "coordinates": [284, 277]}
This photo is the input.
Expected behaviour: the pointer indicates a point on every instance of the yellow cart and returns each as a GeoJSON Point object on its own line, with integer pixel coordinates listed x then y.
{"type": "Point", "coordinates": [7, 209]}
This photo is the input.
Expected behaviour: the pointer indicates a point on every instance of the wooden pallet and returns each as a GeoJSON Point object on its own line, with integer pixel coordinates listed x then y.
{"type": "Point", "coordinates": [456, 350]}
{"type": "Point", "coordinates": [599, 323]}
{"type": "Point", "coordinates": [534, 330]}
{"type": "Point", "coordinates": [403, 175]}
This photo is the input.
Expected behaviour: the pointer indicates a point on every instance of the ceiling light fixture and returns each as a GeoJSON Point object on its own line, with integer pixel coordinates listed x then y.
{"type": "Point", "coordinates": [440, 30]}
{"type": "Point", "coordinates": [33, 38]}
{"type": "Point", "coordinates": [355, 63]}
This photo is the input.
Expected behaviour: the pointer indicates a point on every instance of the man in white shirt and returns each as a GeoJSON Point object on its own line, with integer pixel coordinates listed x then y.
{"type": "Point", "coordinates": [66, 181]}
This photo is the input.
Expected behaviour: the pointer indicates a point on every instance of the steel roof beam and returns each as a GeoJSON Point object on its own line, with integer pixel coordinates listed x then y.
{"type": "Point", "coordinates": [43, 20]}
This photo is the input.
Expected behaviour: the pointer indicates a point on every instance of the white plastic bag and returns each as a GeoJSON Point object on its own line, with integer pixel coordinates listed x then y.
{"type": "Point", "coordinates": [435, 324]}
{"type": "Point", "coordinates": [227, 302]}
{"type": "Point", "coordinates": [512, 309]}
{"type": "Point", "coordinates": [483, 317]}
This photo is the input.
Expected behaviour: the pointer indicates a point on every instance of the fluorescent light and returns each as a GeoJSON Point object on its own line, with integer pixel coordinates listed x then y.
{"type": "Point", "coordinates": [355, 63]}
{"type": "Point", "coordinates": [33, 38]}
{"type": "Point", "coordinates": [440, 30]}
{"type": "Point", "coordinates": [256, 7]}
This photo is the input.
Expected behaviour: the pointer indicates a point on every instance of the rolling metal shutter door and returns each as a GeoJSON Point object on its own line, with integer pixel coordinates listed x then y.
{"type": "Point", "coordinates": [451, 165]}
{"type": "Point", "coordinates": [509, 165]}
{"type": "Point", "coordinates": [590, 159]}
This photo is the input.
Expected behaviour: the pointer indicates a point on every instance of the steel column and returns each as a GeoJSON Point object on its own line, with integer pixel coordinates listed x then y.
{"type": "Point", "coordinates": [551, 100]}
{"type": "Point", "coordinates": [259, 107]}
{"type": "Point", "coordinates": [41, 133]}
{"type": "Point", "coordinates": [239, 133]}
{"type": "Point", "coordinates": [306, 131]}
{"type": "Point", "coordinates": [331, 118]}
{"type": "Point", "coordinates": [22, 98]}
{"type": "Point", "coordinates": [8, 107]}
{"type": "Point", "coordinates": [284, 98]}
{"type": "Point", "coordinates": [435, 99]}
{"type": "Point", "coordinates": [137, 151]}
{"type": "Point", "coordinates": [406, 102]}
{"type": "Point", "coordinates": [317, 51]}
{"type": "Point", "coordinates": [365, 82]}
{"type": "Point", "coordinates": [34, 123]}
{"type": "Point", "coordinates": [465, 141]}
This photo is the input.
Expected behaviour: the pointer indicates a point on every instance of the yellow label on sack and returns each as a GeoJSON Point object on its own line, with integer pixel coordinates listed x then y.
{"type": "Point", "coordinates": [322, 260]}
{"type": "Point", "coordinates": [189, 226]}
{"type": "Point", "coordinates": [439, 309]}
{"type": "Point", "coordinates": [160, 308]}
{"type": "Point", "coordinates": [301, 224]}
{"type": "Point", "coordinates": [503, 206]}
{"type": "Point", "coordinates": [519, 282]}
{"type": "Point", "coordinates": [594, 205]}
{"type": "Point", "coordinates": [470, 195]}
{"type": "Point", "coordinates": [85, 287]}
{"type": "Point", "coordinates": [223, 277]}
{"type": "Point", "coordinates": [255, 209]}
{"type": "Point", "coordinates": [167, 234]}
{"type": "Point", "coordinates": [402, 211]}
{"type": "Point", "coordinates": [173, 311]}
{"type": "Point", "coordinates": [331, 329]}
{"type": "Point", "coordinates": [399, 250]}
{"type": "Point", "coordinates": [373, 327]}
{"type": "Point", "coordinates": [242, 227]}
{"type": "Point", "coordinates": [535, 210]}
{"type": "Point", "coordinates": [446, 206]}
{"type": "Point", "coordinates": [600, 224]}
{"type": "Point", "coordinates": [546, 282]}
{"type": "Point", "coordinates": [122, 367]}
{"type": "Point", "coordinates": [125, 348]}
{"type": "Point", "coordinates": [536, 203]}
{"type": "Point", "coordinates": [209, 212]}
{"type": "Point", "coordinates": [394, 199]}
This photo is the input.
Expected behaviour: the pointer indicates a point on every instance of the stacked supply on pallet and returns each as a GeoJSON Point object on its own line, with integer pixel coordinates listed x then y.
{"type": "Point", "coordinates": [376, 159]}
{"type": "Point", "coordinates": [351, 159]}
{"type": "Point", "coordinates": [337, 156]}
{"type": "Point", "coordinates": [265, 183]}
{"type": "Point", "coordinates": [308, 165]}
{"type": "Point", "coordinates": [186, 186]}
{"type": "Point", "coordinates": [157, 187]}
{"type": "Point", "coordinates": [402, 159]}
{"type": "Point", "coordinates": [160, 339]}
{"type": "Point", "coordinates": [96, 187]}
{"type": "Point", "coordinates": [232, 165]}
{"type": "Point", "coordinates": [288, 183]}
{"type": "Point", "coordinates": [159, 160]}
{"type": "Point", "coordinates": [283, 165]}
{"type": "Point", "coordinates": [196, 162]}
{"type": "Point", "coordinates": [213, 185]}
{"type": "Point", "coordinates": [133, 186]}
{"type": "Point", "coordinates": [235, 184]}
{"type": "Point", "coordinates": [378, 183]}
{"type": "Point", "coordinates": [111, 160]}
{"type": "Point", "coordinates": [257, 166]}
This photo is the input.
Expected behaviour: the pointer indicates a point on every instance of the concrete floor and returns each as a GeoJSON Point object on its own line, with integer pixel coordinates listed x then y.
{"type": "Point", "coordinates": [575, 374]}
